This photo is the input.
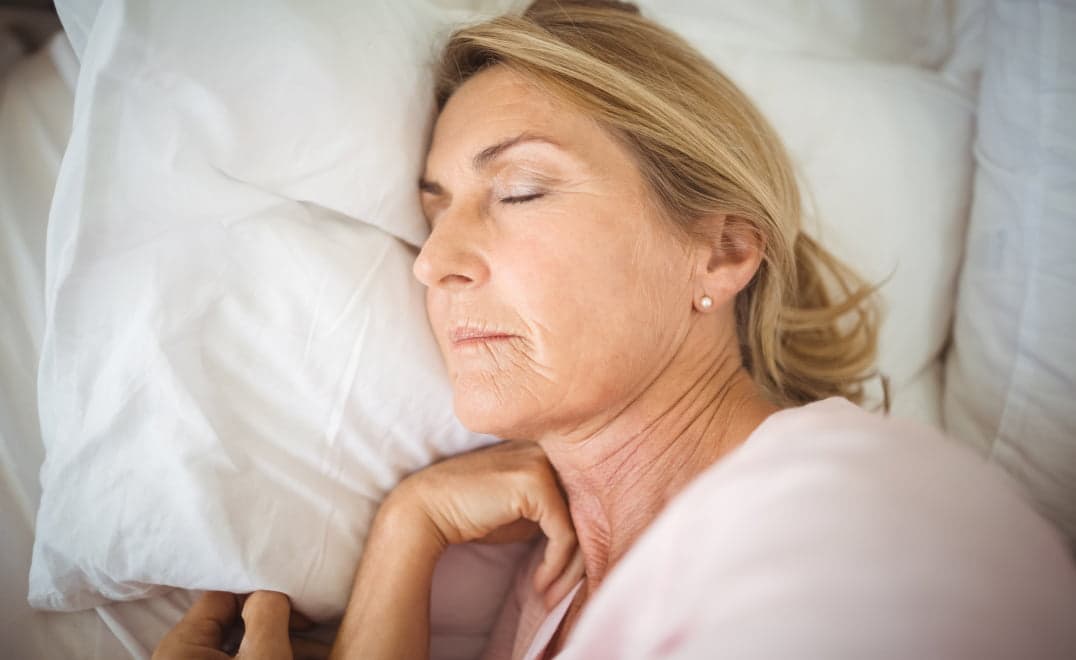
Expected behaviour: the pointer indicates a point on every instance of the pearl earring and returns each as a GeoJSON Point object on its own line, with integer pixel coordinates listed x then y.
{"type": "Point", "coordinates": [706, 302]}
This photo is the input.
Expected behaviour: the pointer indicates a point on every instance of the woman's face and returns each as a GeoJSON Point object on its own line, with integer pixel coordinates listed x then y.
{"type": "Point", "coordinates": [541, 234]}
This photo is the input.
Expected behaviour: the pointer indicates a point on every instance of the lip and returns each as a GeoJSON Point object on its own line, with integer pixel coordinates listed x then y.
{"type": "Point", "coordinates": [470, 335]}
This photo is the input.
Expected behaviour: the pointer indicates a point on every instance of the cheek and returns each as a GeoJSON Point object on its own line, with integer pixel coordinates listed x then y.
{"type": "Point", "coordinates": [552, 291]}
{"type": "Point", "coordinates": [595, 306]}
{"type": "Point", "coordinates": [595, 303]}
{"type": "Point", "coordinates": [562, 286]}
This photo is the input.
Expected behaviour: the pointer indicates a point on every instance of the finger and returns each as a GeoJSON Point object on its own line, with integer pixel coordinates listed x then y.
{"type": "Point", "coordinates": [566, 581]}
{"type": "Point", "coordinates": [556, 523]}
{"type": "Point", "coordinates": [206, 621]}
{"type": "Point", "coordinates": [265, 617]}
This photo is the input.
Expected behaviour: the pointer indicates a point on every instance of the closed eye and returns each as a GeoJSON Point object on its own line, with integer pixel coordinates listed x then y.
{"type": "Point", "coordinates": [521, 198]}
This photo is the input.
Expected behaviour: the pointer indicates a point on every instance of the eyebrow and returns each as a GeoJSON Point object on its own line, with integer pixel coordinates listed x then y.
{"type": "Point", "coordinates": [483, 158]}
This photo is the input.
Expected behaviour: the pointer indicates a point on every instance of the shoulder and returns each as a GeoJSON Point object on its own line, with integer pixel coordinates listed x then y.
{"type": "Point", "coordinates": [850, 479]}
{"type": "Point", "coordinates": [833, 445]}
{"type": "Point", "coordinates": [833, 532]}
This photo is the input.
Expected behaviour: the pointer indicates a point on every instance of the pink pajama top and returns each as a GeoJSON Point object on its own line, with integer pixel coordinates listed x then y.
{"type": "Point", "coordinates": [832, 533]}
{"type": "Point", "coordinates": [524, 628]}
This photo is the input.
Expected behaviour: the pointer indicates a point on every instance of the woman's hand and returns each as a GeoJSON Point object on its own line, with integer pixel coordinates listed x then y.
{"type": "Point", "coordinates": [500, 494]}
{"type": "Point", "coordinates": [268, 622]}
{"type": "Point", "coordinates": [504, 493]}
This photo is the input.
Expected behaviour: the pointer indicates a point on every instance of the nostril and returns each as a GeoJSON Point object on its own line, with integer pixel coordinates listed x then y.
{"type": "Point", "coordinates": [426, 271]}
{"type": "Point", "coordinates": [456, 278]}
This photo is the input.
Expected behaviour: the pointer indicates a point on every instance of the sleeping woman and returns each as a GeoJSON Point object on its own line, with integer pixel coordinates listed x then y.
{"type": "Point", "coordinates": [619, 283]}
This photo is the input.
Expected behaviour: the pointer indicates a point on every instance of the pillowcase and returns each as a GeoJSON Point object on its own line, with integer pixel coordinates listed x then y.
{"type": "Point", "coordinates": [1011, 374]}
{"type": "Point", "coordinates": [915, 33]}
{"type": "Point", "coordinates": [237, 364]}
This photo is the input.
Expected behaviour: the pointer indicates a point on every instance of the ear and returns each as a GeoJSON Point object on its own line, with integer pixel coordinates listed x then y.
{"type": "Point", "coordinates": [727, 259]}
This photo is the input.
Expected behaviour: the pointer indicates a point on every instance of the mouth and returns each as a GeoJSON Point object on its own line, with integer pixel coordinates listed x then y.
{"type": "Point", "coordinates": [473, 336]}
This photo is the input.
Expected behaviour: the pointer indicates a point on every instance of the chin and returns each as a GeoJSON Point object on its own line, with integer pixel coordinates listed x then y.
{"type": "Point", "coordinates": [481, 412]}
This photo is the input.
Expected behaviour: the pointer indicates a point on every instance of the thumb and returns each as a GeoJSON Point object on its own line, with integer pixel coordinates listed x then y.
{"type": "Point", "coordinates": [265, 619]}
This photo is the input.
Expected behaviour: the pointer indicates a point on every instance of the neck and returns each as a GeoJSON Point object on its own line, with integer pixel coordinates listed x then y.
{"type": "Point", "coordinates": [619, 474]}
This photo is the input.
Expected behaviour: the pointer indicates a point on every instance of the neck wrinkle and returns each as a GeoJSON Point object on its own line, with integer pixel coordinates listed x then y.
{"type": "Point", "coordinates": [619, 478]}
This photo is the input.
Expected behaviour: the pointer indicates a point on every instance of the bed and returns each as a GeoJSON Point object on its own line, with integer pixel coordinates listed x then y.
{"type": "Point", "coordinates": [986, 383]}
{"type": "Point", "coordinates": [39, 91]}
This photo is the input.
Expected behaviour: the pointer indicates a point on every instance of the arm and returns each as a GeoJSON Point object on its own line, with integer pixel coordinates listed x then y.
{"type": "Point", "coordinates": [388, 614]}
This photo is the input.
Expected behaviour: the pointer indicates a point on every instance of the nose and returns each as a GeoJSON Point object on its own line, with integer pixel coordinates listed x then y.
{"type": "Point", "coordinates": [451, 257]}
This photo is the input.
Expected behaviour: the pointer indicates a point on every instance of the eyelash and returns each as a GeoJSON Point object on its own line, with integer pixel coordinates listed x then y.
{"type": "Point", "coordinates": [521, 198]}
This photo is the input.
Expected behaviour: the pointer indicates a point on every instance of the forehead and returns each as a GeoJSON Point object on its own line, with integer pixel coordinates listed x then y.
{"type": "Point", "coordinates": [498, 103]}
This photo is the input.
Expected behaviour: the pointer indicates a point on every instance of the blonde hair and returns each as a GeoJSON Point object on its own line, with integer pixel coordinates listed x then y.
{"type": "Point", "coordinates": [703, 149]}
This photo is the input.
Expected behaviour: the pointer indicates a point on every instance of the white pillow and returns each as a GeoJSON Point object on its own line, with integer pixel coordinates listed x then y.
{"type": "Point", "coordinates": [913, 32]}
{"type": "Point", "coordinates": [235, 369]}
{"type": "Point", "coordinates": [1011, 376]}
{"type": "Point", "coordinates": [883, 147]}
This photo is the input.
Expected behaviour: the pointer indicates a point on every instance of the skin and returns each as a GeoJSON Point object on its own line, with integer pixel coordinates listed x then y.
{"type": "Point", "coordinates": [613, 383]}
{"type": "Point", "coordinates": [268, 620]}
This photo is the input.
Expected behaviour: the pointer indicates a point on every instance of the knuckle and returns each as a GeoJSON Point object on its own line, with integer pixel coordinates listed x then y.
{"type": "Point", "coordinates": [205, 629]}
{"type": "Point", "coordinates": [528, 479]}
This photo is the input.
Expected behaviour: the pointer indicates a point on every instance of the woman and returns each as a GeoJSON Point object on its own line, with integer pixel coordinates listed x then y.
{"type": "Point", "coordinates": [619, 283]}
